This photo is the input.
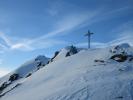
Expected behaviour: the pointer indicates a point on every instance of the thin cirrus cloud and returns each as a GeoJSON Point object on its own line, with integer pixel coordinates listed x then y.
{"type": "Point", "coordinates": [67, 23]}
{"type": "Point", "coordinates": [70, 22]}
{"type": "Point", "coordinates": [9, 43]}
{"type": "Point", "coordinates": [61, 27]}
{"type": "Point", "coordinates": [81, 19]}
{"type": "Point", "coordinates": [26, 44]}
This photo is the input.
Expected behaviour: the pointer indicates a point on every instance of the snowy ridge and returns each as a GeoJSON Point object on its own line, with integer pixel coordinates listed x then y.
{"type": "Point", "coordinates": [65, 52]}
{"type": "Point", "coordinates": [23, 71]}
{"type": "Point", "coordinates": [95, 74]}
{"type": "Point", "coordinates": [32, 65]}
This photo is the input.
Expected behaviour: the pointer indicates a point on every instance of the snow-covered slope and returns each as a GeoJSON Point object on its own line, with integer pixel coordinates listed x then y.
{"type": "Point", "coordinates": [95, 74]}
{"type": "Point", "coordinates": [27, 68]}
{"type": "Point", "coordinates": [32, 65]}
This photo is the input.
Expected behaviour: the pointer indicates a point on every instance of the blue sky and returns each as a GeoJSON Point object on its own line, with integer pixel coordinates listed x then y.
{"type": "Point", "coordinates": [34, 27]}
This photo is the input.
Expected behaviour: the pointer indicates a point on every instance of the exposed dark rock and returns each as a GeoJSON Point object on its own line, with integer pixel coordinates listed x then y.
{"type": "Point", "coordinates": [41, 61]}
{"type": "Point", "coordinates": [43, 64]}
{"type": "Point", "coordinates": [3, 86]}
{"type": "Point", "coordinates": [56, 53]}
{"type": "Point", "coordinates": [120, 97]}
{"type": "Point", "coordinates": [121, 69]}
{"type": "Point", "coordinates": [112, 51]}
{"type": "Point", "coordinates": [117, 47]}
{"type": "Point", "coordinates": [38, 65]}
{"type": "Point", "coordinates": [123, 52]}
{"type": "Point", "coordinates": [14, 77]}
{"type": "Point", "coordinates": [1, 95]}
{"type": "Point", "coordinates": [102, 61]}
{"type": "Point", "coordinates": [72, 50]}
{"type": "Point", "coordinates": [29, 75]}
{"type": "Point", "coordinates": [48, 62]}
{"type": "Point", "coordinates": [120, 48]}
{"type": "Point", "coordinates": [68, 54]}
{"type": "Point", "coordinates": [119, 57]}
{"type": "Point", "coordinates": [39, 57]}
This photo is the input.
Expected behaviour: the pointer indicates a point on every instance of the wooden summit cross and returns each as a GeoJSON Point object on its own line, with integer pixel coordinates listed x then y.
{"type": "Point", "coordinates": [89, 38]}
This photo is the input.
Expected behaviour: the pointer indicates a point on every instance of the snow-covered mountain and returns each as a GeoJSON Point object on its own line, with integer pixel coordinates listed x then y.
{"type": "Point", "coordinates": [73, 74]}
{"type": "Point", "coordinates": [25, 70]}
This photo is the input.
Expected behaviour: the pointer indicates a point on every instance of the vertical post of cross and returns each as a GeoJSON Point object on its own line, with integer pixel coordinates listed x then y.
{"type": "Point", "coordinates": [89, 38]}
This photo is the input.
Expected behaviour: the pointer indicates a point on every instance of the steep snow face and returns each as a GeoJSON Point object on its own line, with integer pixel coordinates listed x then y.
{"type": "Point", "coordinates": [87, 75]}
{"type": "Point", "coordinates": [32, 65]}
{"type": "Point", "coordinates": [28, 67]}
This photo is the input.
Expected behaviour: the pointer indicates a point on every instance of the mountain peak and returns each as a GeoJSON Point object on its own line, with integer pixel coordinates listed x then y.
{"type": "Point", "coordinates": [40, 57]}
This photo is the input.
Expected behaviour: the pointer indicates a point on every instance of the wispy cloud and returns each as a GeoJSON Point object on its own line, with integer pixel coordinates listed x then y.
{"type": "Point", "coordinates": [106, 14]}
{"type": "Point", "coordinates": [75, 20]}
{"type": "Point", "coordinates": [62, 27]}
{"type": "Point", "coordinates": [69, 22]}
{"type": "Point", "coordinates": [24, 44]}
{"type": "Point", "coordinates": [11, 44]}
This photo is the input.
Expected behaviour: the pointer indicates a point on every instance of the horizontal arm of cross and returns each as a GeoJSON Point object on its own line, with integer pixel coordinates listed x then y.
{"type": "Point", "coordinates": [88, 34]}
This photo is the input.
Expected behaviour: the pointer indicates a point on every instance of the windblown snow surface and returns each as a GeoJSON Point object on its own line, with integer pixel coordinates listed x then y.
{"type": "Point", "coordinates": [87, 75]}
